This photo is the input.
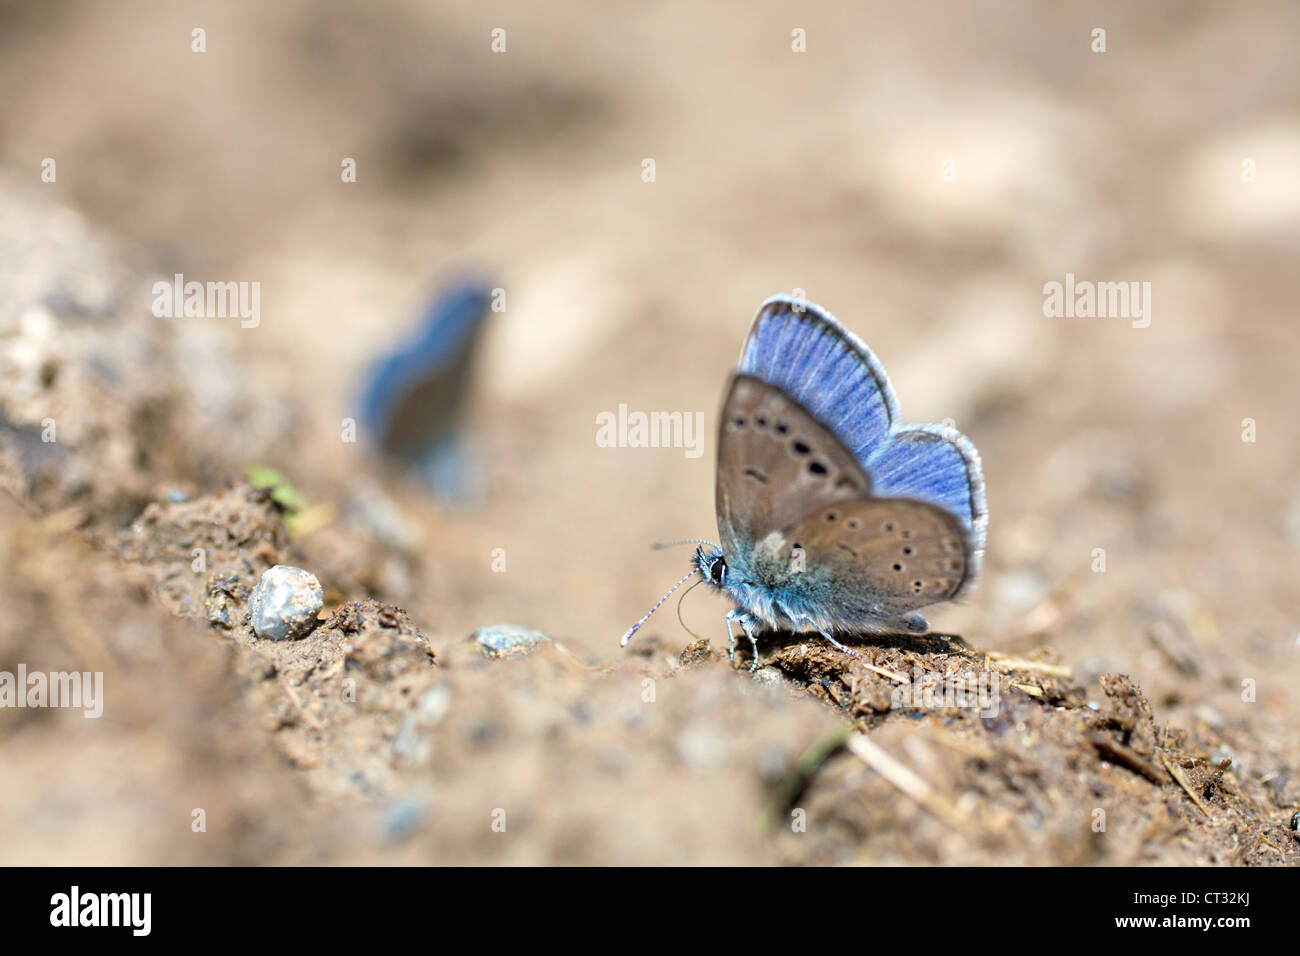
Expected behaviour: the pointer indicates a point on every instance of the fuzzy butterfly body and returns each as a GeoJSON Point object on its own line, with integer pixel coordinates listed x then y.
{"type": "Point", "coordinates": [833, 516]}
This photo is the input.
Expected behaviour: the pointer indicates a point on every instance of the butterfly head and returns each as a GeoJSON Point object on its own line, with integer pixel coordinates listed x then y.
{"type": "Point", "coordinates": [712, 566]}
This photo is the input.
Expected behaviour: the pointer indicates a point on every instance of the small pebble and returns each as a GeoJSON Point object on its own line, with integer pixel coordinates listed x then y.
{"type": "Point", "coordinates": [1211, 716]}
{"type": "Point", "coordinates": [402, 818]}
{"type": "Point", "coordinates": [1020, 591]}
{"type": "Point", "coordinates": [701, 749]}
{"type": "Point", "coordinates": [768, 675]}
{"type": "Point", "coordinates": [773, 766]}
{"type": "Point", "coordinates": [506, 640]}
{"type": "Point", "coordinates": [285, 603]}
{"type": "Point", "coordinates": [433, 705]}
{"type": "Point", "coordinates": [410, 744]}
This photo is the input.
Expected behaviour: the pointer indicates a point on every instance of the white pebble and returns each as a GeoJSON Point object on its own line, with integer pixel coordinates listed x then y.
{"type": "Point", "coordinates": [285, 603]}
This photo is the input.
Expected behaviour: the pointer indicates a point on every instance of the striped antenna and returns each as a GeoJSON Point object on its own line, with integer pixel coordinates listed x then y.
{"type": "Point", "coordinates": [660, 545]}
{"type": "Point", "coordinates": [637, 626]}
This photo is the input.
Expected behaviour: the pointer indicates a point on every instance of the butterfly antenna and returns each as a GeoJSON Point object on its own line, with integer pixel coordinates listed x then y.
{"type": "Point", "coordinates": [637, 626]}
{"type": "Point", "coordinates": [660, 545]}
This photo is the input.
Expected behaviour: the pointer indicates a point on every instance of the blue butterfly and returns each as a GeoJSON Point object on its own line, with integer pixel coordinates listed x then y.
{"type": "Point", "coordinates": [413, 399]}
{"type": "Point", "coordinates": [834, 516]}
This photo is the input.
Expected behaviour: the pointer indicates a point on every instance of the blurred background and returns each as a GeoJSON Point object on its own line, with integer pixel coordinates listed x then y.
{"type": "Point", "coordinates": [920, 170]}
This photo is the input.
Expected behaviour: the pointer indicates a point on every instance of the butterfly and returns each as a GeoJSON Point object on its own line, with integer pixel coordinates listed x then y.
{"type": "Point", "coordinates": [834, 516]}
{"type": "Point", "coordinates": [413, 399]}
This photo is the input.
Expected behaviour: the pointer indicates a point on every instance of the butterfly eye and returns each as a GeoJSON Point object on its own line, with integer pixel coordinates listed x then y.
{"type": "Point", "coordinates": [717, 571]}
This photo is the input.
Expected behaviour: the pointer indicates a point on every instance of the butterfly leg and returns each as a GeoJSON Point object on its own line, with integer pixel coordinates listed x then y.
{"type": "Point", "coordinates": [731, 633]}
{"type": "Point", "coordinates": [749, 626]}
{"type": "Point", "coordinates": [826, 634]}
{"type": "Point", "coordinates": [800, 620]}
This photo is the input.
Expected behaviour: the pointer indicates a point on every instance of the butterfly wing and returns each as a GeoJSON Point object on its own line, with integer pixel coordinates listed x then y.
{"type": "Point", "coordinates": [412, 395]}
{"type": "Point", "coordinates": [775, 462]}
{"type": "Point", "coordinates": [798, 518]}
{"type": "Point", "coordinates": [803, 350]}
{"type": "Point", "coordinates": [872, 560]}
{"type": "Point", "coordinates": [936, 464]}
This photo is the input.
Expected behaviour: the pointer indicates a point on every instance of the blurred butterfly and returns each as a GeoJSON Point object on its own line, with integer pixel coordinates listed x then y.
{"type": "Point", "coordinates": [834, 516]}
{"type": "Point", "coordinates": [413, 398]}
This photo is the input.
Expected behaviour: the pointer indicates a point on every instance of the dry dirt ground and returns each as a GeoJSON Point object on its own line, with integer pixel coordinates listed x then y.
{"type": "Point", "coordinates": [1133, 649]}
